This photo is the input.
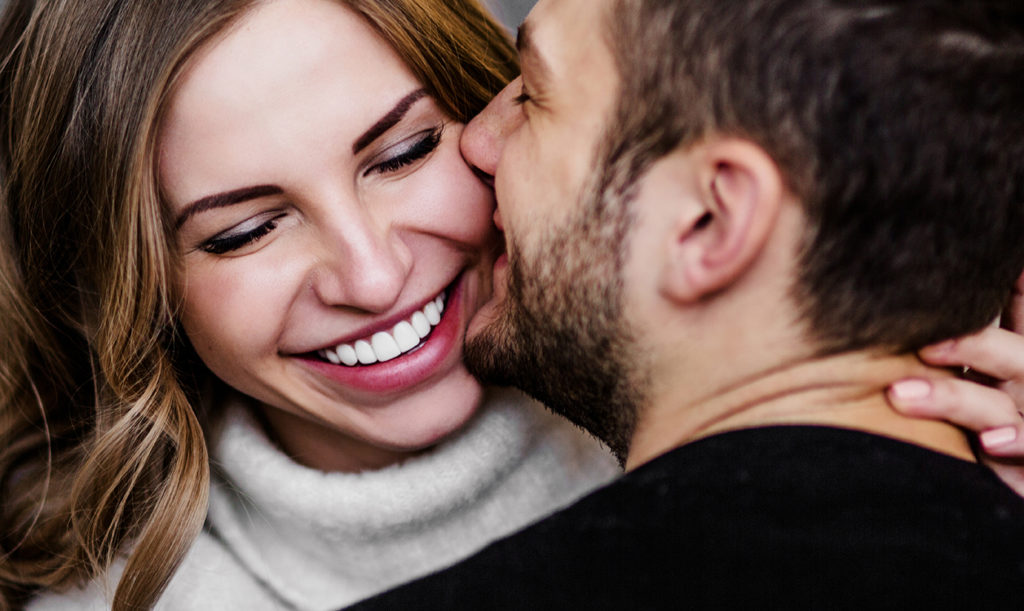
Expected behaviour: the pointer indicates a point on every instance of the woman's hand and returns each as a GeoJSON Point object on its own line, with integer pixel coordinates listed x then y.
{"type": "Point", "coordinates": [991, 398]}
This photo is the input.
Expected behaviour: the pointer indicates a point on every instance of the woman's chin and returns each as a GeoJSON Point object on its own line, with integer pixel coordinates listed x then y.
{"type": "Point", "coordinates": [435, 418]}
{"type": "Point", "coordinates": [357, 439]}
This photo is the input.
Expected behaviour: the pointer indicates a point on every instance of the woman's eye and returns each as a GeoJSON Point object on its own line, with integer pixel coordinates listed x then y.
{"type": "Point", "coordinates": [410, 154]}
{"type": "Point", "coordinates": [240, 237]}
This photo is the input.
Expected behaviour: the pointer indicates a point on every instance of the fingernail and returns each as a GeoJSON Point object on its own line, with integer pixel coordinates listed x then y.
{"type": "Point", "coordinates": [911, 390]}
{"type": "Point", "coordinates": [998, 437]}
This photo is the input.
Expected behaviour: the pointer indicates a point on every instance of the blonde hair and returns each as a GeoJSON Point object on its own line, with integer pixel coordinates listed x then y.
{"type": "Point", "coordinates": [101, 449]}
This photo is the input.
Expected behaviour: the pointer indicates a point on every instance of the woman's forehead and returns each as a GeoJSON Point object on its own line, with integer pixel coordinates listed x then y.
{"type": "Point", "coordinates": [295, 74]}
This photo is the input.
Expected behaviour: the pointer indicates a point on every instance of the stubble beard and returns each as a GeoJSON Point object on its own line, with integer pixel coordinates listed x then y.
{"type": "Point", "coordinates": [560, 334]}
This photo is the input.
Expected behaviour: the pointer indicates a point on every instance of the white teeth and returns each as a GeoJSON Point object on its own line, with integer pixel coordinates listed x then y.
{"type": "Point", "coordinates": [347, 354]}
{"type": "Point", "coordinates": [432, 313]}
{"type": "Point", "coordinates": [385, 346]}
{"type": "Point", "coordinates": [365, 354]}
{"type": "Point", "coordinates": [421, 324]}
{"type": "Point", "coordinates": [405, 336]}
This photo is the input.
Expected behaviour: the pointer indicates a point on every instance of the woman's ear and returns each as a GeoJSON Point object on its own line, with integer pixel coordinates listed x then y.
{"type": "Point", "coordinates": [734, 203]}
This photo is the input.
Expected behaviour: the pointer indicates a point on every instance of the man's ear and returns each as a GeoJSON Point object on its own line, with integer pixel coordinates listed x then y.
{"type": "Point", "coordinates": [736, 195]}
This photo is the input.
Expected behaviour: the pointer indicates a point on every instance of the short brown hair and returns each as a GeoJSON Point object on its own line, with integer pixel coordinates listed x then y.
{"type": "Point", "coordinates": [898, 123]}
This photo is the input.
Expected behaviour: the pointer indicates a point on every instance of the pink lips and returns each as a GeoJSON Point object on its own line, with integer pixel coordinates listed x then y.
{"type": "Point", "coordinates": [409, 369]}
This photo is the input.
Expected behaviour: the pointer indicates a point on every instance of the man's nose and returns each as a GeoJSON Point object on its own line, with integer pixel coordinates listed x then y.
{"type": "Point", "coordinates": [484, 138]}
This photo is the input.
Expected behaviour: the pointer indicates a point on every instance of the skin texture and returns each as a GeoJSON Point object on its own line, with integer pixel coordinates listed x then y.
{"type": "Point", "coordinates": [347, 242]}
{"type": "Point", "coordinates": [993, 408]}
{"type": "Point", "coordinates": [513, 141]}
{"type": "Point", "coordinates": [560, 334]}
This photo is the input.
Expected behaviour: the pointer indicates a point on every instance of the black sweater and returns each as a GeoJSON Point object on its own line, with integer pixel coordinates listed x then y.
{"type": "Point", "coordinates": [778, 517]}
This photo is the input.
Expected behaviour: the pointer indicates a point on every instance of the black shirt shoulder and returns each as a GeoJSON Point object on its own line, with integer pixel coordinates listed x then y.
{"type": "Point", "coordinates": [779, 517]}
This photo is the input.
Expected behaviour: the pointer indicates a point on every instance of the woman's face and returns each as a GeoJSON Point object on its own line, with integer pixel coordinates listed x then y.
{"type": "Point", "coordinates": [322, 208]}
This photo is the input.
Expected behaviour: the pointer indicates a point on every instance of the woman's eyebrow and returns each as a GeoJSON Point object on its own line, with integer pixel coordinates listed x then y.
{"type": "Point", "coordinates": [388, 121]}
{"type": "Point", "coordinates": [227, 198]}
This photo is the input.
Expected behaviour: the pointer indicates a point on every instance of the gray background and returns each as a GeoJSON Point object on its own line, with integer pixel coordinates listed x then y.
{"type": "Point", "coordinates": [510, 12]}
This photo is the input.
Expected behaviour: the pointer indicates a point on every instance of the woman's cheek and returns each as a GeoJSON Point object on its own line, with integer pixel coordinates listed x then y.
{"type": "Point", "coordinates": [451, 202]}
{"type": "Point", "coordinates": [237, 307]}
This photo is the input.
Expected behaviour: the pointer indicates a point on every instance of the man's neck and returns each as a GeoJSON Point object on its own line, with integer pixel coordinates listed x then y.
{"type": "Point", "coordinates": [846, 391]}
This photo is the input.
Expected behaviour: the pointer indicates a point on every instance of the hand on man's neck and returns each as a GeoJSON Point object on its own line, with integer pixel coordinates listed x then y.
{"type": "Point", "coordinates": [722, 325]}
{"type": "Point", "coordinates": [845, 391]}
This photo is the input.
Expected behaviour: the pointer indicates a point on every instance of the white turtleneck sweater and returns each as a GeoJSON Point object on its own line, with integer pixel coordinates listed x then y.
{"type": "Point", "coordinates": [283, 536]}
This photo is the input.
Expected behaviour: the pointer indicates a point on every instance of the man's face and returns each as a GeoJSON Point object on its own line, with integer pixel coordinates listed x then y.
{"type": "Point", "coordinates": [554, 327]}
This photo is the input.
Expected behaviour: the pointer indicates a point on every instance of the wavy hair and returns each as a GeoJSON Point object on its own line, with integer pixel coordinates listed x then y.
{"type": "Point", "coordinates": [102, 452]}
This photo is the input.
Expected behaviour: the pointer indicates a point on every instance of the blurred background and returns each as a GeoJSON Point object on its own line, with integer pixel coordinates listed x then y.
{"type": "Point", "coordinates": [510, 12]}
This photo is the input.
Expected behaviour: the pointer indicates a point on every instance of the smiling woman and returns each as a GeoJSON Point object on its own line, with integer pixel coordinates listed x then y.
{"type": "Point", "coordinates": [331, 230]}
{"type": "Point", "coordinates": [260, 260]}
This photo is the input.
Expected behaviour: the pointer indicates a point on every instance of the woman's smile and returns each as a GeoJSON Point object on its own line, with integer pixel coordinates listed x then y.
{"type": "Point", "coordinates": [401, 356]}
{"type": "Point", "coordinates": [335, 243]}
{"type": "Point", "coordinates": [390, 340]}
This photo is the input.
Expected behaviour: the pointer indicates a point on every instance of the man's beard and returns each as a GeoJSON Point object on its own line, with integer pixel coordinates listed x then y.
{"type": "Point", "coordinates": [560, 334]}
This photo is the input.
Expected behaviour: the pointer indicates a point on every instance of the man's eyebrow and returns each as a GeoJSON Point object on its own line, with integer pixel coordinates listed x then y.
{"type": "Point", "coordinates": [529, 54]}
{"type": "Point", "coordinates": [524, 38]}
{"type": "Point", "coordinates": [388, 121]}
{"type": "Point", "coordinates": [227, 198]}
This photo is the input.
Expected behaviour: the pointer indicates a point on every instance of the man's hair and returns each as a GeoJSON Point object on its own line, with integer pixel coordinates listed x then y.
{"type": "Point", "coordinates": [899, 125]}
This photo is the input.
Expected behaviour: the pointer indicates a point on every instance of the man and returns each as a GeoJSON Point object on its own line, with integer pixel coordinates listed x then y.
{"type": "Point", "coordinates": [730, 224]}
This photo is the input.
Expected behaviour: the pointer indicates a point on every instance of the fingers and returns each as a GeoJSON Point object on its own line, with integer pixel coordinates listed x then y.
{"type": "Point", "coordinates": [991, 410]}
{"type": "Point", "coordinates": [995, 352]}
{"type": "Point", "coordinates": [987, 411]}
{"type": "Point", "coordinates": [1014, 316]}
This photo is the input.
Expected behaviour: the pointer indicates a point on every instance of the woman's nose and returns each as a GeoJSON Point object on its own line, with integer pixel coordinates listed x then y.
{"type": "Point", "coordinates": [363, 267]}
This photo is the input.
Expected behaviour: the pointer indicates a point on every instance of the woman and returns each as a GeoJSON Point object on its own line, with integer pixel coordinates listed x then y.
{"type": "Point", "coordinates": [271, 192]}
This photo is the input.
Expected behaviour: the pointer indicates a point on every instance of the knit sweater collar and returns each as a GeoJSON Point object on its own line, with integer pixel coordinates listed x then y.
{"type": "Point", "coordinates": [320, 540]}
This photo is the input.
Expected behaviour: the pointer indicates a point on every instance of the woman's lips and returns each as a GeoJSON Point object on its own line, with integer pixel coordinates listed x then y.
{"type": "Point", "coordinates": [405, 370]}
{"type": "Point", "coordinates": [384, 345]}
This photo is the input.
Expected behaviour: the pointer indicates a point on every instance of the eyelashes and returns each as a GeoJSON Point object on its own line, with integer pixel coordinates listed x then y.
{"type": "Point", "coordinates": [524, 95]}
{"type": "Point", "coordinates": [241, 236]}
{"type": "Point", "coordinates": [236, 240]}
{"type": "Point", "coordinates": [413, 153]}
